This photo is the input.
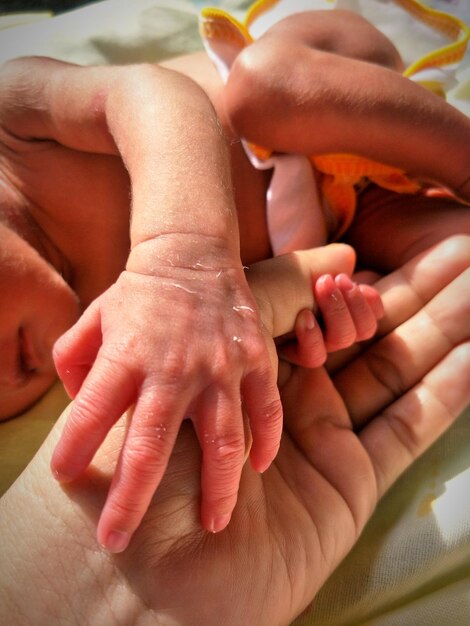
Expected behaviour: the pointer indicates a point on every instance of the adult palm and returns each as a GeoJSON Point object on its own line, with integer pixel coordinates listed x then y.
{"type": "Point", "coordinates": [348, 434]}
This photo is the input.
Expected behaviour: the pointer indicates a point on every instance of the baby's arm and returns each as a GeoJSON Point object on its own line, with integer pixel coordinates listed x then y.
{"type": "Point", "coordinates": [351, 97]}
{"type": "Point", "coordinates": [178, 334]}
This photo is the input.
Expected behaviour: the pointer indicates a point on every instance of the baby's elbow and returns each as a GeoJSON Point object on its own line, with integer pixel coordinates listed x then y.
{"type": "Point", "coordinates": [241, 85]}
{"type": "Point", "coordinates": [150, 87]}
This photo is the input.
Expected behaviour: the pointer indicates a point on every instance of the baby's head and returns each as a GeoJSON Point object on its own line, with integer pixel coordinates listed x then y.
{"type": "Point", "coordinates": [36, 307]}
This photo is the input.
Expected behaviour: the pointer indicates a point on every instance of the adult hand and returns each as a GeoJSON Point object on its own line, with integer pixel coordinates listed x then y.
{"type": "Point", "coordinates": [348, 435]}
{"type": "Point", "coordinates": [347, 438]}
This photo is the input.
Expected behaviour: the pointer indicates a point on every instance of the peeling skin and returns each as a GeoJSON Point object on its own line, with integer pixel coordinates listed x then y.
{"type": "Point", "coordinates": [183, 288]}
{"type": "Point", "coordinates": [240, 308]}
{"type": "Point", "coordinates": [201, 266]}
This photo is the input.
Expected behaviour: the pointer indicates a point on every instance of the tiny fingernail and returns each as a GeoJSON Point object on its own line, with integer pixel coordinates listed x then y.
{"type": "Point", "coordinates": [61, 477]}
{"type": "Point", "coordinates": [219, 522]}
{"type": "Point", "coordinates": [309, 320]}
{"type": "Point", "coordinates": [328, 281]}
{"type": "Point", "coordinates": [261, 468]}
{"type": "Point", "coordinates": [345, 282]}
{"type": "Point", "coordinates": [117, 541]}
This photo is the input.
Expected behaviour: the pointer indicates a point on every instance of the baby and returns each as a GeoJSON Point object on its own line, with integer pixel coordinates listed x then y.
{"type": "Point", "coordinates": [168, 323]}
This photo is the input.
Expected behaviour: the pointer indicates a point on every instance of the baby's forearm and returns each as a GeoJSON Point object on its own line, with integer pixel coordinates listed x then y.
{"type": "Point", "coordinates": [177, 158]}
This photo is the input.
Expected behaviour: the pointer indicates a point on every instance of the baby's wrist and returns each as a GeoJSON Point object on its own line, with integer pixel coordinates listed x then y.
{"type": "Point", "coordinates": [184, 251]}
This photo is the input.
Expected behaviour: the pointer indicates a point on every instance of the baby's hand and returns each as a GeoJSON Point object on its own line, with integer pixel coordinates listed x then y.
{"type": "Point", "coordinates": [348, 313]}
{"type": "Point", "coordinates": [185, 343]}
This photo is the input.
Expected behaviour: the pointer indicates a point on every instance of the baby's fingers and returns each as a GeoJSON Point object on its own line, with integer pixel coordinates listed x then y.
{"type": "Point", "coordinates": [142, 463]}
{"type": "Point", "coordinates": [223, 440]}
{"type": "Point", "coordinates": [107, 392]}
{"type": "Point", "coordinates": [349, 314]}
{"type": "Point", "coordinates": [364, 305]}
{"type": "Point", "coordinates": [308, 349]}
{"type": "Point", "coordinates": [263, 405]}
{"type": "Point", "coordinates": [75, 352]}
{"type": "Point", "coordinates": [338, 324]}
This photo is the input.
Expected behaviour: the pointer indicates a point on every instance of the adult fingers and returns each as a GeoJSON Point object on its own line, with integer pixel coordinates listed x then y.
{"type": "Point", "coordinates": [398, 361]}
{"type": "Point", "coordinates": [407, 427]}
{"type": "Point", "coordinates": [283, 286]}
{"type": "Point", "coordinates": [405, 291]}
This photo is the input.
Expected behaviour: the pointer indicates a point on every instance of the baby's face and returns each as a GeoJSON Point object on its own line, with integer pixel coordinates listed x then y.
{"type": "Point", "coordinates": [36, 307]}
